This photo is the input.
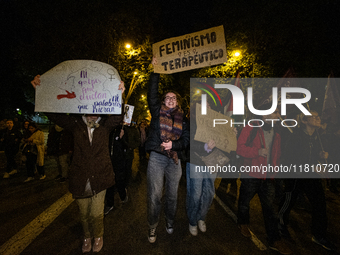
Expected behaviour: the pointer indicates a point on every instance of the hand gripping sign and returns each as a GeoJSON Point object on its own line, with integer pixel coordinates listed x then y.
{"type": "Point", "coordinates": [80, 86]}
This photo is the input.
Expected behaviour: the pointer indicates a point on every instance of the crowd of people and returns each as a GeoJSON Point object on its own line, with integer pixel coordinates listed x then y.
{"type": "Point", "coordinates": [23, 145]}
{"type": "Point", "coordinates": [98, 164]}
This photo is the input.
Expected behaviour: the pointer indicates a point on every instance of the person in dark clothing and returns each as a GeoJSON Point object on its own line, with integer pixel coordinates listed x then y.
{"type": "Point", "coordinates": [123, 141]}
{"type": "Point", "coordinates": [168, 136]}
{"type": "Point", "coordinates": [305, 149]}
{"type": "Point", "coordinates": [333, 141]}
{"type": "Point", "coordinates": [131, 140]}
{"type": "Point", "coordinates": [144, 132]}
{"type": "Point", "coordinates": [25, 132]}
{"type": "Point", "coordinates": [11, 139]}
{"type": "Point", "coordinates": [60, 146]}
{"type": "Point", "coordinates": [260, 146]}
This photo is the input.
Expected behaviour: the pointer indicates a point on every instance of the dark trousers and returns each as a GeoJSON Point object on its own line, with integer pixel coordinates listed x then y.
{"type": "Point", "coordinates": [120, 179]}
{"type": "Point", "coordinates": [128, 171]}
{"type": "Point", "coordinates": [31, 163]}
{"type": "Point", "coordinates": [142, 153]}
{"type": "Point", "coordinates": [11, 163]}
{"type": "Point", "coordinates": [316, 196]}
{"type": "Point", "coordinates": [266, 192]}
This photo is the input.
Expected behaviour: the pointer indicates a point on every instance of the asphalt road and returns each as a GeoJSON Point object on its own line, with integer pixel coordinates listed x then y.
{"type": "Point", "coordinates": [40, 217]}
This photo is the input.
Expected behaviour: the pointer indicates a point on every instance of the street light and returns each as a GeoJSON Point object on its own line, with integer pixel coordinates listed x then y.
{"type": "Point", "coordinates": [237, 53]}
{"type": "Point", "coordinates": [128, 46]}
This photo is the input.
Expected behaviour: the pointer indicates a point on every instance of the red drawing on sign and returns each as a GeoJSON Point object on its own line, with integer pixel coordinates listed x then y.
{"type": "Point", "coordinates": [68, 95]}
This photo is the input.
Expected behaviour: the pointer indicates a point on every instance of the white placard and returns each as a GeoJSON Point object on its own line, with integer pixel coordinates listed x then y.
{"type": "Point", "coordinates": [128, 113]}
{"type": "Point", "coordinates": [80, 86]}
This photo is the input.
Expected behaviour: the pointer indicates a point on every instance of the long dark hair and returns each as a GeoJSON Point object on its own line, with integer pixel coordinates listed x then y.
{"type": "Point", "coordinates": [178, 98]}
{"type": "Point", "coordinates": [33, 124]}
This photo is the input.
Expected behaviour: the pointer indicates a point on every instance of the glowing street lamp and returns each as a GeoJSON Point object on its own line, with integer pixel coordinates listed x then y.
{"type": "Point", "coordinates": [128, 46]}
{"type": "Point", "coordinates": [133, 84]}
{"type": "Point", "coordinates": [237, 54]}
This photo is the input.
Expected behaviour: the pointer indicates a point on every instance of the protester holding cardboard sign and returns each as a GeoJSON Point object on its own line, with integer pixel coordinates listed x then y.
{"type": "Point", "coordinates": [168, 136]}
{"type": "Point", "coordinates": [91, 170]}
{"type": "Point", "coordinates": [200, 184]}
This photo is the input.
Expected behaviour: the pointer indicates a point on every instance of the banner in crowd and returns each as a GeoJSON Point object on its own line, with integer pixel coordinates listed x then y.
{"type": "Point", "coordinates": [80, 86]}
{"type": "Point", "coordinates": [191, 51]}
{"type": "Point", "coordinates": [223, 135]}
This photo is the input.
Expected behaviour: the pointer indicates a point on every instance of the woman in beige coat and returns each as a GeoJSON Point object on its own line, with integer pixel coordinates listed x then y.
{"type": "Point", "coordinates": [34, 151]}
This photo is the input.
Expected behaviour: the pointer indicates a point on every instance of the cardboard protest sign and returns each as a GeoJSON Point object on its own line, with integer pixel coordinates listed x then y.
{"type": "Point", "coordinates": [128, 113]}
{"type": "Point", "coordinates": [191, 51]}
{"type": "Point", "coordinates": [223, 135]}
{"type": "Point", "coordinates": [79, 86]}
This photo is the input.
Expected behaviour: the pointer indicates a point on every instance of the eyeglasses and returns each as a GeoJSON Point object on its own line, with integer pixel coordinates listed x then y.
{"type": "Point", "coordinates": [170, 98]}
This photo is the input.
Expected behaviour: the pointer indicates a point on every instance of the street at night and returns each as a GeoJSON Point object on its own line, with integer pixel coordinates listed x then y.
{"type": "Point", "coordinates": [169, 127]}
{"type": "Point", "coordinates": [126, 226]}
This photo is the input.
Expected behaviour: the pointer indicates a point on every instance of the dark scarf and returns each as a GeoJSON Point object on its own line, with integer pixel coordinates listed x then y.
{"type": "Point", "coordinates": [171, 121]}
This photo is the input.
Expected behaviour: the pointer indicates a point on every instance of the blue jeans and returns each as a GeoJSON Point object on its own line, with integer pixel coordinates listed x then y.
{"type": "Point", "coordinates": [160, 167]}
{"type": "Point", "coordinates": [200, 194]}
{"type": "Point", "coordinates": [266, 192]}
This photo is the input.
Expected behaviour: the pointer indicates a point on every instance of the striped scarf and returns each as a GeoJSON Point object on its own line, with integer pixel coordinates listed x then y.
{"type": "Point", "coordinates": [171, 121]}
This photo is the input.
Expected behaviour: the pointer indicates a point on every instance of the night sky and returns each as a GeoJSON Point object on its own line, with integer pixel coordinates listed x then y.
{"type": "Point", "coordinates": [38, 34]}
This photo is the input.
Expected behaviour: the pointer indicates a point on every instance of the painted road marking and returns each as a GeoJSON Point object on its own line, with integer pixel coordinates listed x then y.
{"type": "Point", "coordinates": [255, 240]}
{"type": "Point", "coordinates": [25, 236]}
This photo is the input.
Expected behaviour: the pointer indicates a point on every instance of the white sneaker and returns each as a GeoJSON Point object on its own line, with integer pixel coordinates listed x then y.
{"type": "Point", "coordinates": [193, 230]}
{"type": "Point", "coordinates": [29, 179]}
{"type": "Point", "coordinates": [202, 226]}
{"type": "Point", "coordinates": [14, 171]}
{"type": "Point", "coordinates": [6, 175]}
{"type": "Point", "coordinates": [169, 228]}
{"type": "Point", "coordinates": [152, 235]}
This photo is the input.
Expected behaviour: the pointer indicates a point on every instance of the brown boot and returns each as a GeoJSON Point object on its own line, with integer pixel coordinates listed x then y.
{"type": "Point", "coordinates": [87, 245]}
{"type": "Point", "coordinates": [98, 244]}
